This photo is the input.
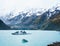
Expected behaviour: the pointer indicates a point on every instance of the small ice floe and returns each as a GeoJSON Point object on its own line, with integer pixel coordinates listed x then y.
{"type": "Point", "coordinates": [24, 41]}
{"type": "Point", "coordinates": [20, 33]}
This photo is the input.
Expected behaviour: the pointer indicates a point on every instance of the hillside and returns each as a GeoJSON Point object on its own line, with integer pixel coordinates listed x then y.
{"type": "Point", "coordinates": [3, 26]}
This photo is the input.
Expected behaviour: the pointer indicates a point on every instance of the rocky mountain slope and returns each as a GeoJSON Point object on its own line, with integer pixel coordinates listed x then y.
{"type": "Point", "coordinates": [3, 26]}
{"type": "Point", "coordinates": [44, 20]}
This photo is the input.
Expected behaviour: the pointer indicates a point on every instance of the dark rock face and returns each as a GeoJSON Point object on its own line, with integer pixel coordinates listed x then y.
{"type": "Point", "coordinates": [54, 44]}
{"type": "Point", "coordinates": [54, 22]}
{"type": "Point", "coordinates": [3, 26]}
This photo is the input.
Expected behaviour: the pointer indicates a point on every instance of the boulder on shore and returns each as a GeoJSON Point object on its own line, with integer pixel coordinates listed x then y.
{"type": "Point", "coordinates": [54, 44]}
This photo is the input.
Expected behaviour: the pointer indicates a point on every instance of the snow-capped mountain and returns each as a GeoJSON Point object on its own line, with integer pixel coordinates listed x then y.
{"type": "Point", "coordinates": [18, 18]}
{"type": "Point", "coordinates": [34, 19]}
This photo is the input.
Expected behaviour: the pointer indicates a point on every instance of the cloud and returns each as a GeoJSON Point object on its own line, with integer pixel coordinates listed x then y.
{"type": "Point", "coordinates": [9, 5]}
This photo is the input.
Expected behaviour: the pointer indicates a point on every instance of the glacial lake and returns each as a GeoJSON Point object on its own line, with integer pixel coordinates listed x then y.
{"type": "Point", "coordinates": [36, 38]}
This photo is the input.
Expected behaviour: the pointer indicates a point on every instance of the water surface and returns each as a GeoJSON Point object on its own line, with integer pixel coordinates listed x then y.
{"type": "Point", "coordinates": [36, 38]}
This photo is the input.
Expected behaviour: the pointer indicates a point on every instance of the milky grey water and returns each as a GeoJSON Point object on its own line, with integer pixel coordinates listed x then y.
{"type": "Point", "coordinates": [36, 38]}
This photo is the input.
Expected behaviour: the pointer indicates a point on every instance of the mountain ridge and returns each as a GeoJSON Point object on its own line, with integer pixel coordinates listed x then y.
{"type": "Point", "coordinates": [44, 20]}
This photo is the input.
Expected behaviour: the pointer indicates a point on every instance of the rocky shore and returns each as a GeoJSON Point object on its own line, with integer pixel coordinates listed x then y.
{"type": "Point", "coordinates": [54, 44]}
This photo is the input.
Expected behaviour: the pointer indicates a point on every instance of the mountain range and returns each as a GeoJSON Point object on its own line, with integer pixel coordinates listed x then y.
{"type": "Point", "coordinates": [37, 20]}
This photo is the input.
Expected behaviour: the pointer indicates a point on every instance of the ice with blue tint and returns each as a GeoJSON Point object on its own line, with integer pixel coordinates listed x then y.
{"type": "Point", "coordinates": [36, 38]}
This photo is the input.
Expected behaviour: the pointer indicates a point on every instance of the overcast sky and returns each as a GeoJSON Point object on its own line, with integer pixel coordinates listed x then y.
{"type": "Point", "coordinates": [9, 5]}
